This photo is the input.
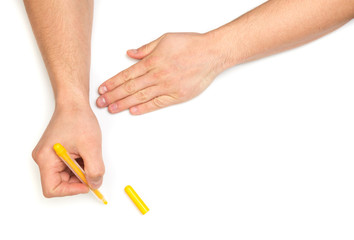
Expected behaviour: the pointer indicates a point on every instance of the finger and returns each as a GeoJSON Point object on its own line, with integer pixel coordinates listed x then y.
{"type": "Point", "coordinates": [126, 89]}
{"type": "Point", "coordinates": [65, 175]}
{"type": "Point", "coordinates": [57, 184]}
{"type": "Point", "coordinates": [50, 167]}
{"type": "Point", "coordinates": [144, 50]}
{"type": "Point", "coordinates": [93, 162]}
{"type": "Point", "coordinates": [70, 185]}
{"type": "Point", "coordinates": [139, 97]}
{"type": "Point", "coordinates": [152, 105]}
{"type": "Point", "coordinates": [69, 189]}
{"type": "Point", "coordinates": [74, 179]}
{"type": "Point", "coordinates": [132, 72]}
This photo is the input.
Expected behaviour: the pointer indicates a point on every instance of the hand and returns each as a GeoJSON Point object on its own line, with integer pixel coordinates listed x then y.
{"type": "Point", "coordinates": [173, 69]}
{"type": "Point", "coordinates": [78, 131]}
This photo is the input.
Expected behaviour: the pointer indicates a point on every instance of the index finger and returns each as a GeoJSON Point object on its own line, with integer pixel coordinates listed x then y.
{"type": "Point", "coordinates": [134, 71]}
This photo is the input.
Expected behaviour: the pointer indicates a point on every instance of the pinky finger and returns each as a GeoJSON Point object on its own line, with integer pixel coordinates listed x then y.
{"type": "Point", "coordinates": [152, 105]}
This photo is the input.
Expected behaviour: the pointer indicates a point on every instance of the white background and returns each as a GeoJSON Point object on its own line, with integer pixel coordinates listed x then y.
{"type": "Point", "coordinates": [266, 152]}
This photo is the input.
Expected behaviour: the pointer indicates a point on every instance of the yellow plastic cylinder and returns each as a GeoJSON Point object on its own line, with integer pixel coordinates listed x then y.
{"type": "Point", "coordinates": [136, 199]}
{"type": "Point", "coordinates": [75, 168]}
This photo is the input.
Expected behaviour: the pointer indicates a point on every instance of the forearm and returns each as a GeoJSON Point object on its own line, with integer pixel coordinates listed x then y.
{"type": "Point", "coordinates": [63, 33]}
{"type": "Point", "coordinates": [278, 25]}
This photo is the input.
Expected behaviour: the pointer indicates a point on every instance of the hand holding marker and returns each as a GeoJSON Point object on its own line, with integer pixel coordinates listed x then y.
{"type": "Point", "coordinates": [75, 168]}
{"type": "Point", "coordinates": [80, 174]}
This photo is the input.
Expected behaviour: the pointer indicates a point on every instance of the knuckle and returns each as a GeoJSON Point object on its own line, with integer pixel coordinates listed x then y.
{"type": "Point", "coordinates": [158, 102]}
{"type": "Point", "coordinates": [129, 87]}
{"type": "Point", "coordinates": [96, 176]}
{"type": "Point", "coordinates": [150, 61]}
{"type": "Point", "coordinates": [156, 75]}
{"type": "Point", "coordinates": [168, 85]}
{"type": "Point", "coordinates": [96, 173]}
{"type": "Point", "coordinates": [159, 75]}
{"type": "Point", "coordinates": [34, 154]}
{"type": "Point", "coordinates": [125, 74]}
{"type": "Point", "coordinates": [141, 96]}
{"type": "Point", "coordinates": [182, 93]}
{"type": "Point", "coordinates": [165, 35]}
{"type": "Point", "coordinates": [39, 154]}
{"type": "Point", "coordinates": [48, 193]}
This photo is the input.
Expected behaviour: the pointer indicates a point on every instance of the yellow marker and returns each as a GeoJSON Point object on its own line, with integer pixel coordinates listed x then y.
{"type": "Point", "coordinates": [136, 199]}
{"type": "Point", "coordinates": [75, 168]}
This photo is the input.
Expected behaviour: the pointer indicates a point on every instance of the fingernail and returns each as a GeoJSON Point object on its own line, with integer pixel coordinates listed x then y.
{"type": "Point", "coordinates": [134, 110]}
{"type": "Point", "coordinates": [102, 89]}
{"type": "Point", "coordinates": [133, 51]}
{"type": "Point", "coordinates": [95, 184]}
{"type": "Point", "coordinates": [113, 107]}
{"type": "Point", "coordinates": [101, 102]}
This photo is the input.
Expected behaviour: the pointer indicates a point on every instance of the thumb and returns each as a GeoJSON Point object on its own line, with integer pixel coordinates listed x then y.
{"type": "Point", "coordinates": [144, 50]}
{"type": "Point", "coordinates": [94, 166]}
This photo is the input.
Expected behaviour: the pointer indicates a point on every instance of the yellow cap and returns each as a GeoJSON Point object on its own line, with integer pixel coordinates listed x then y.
{"type": "Point", "coordinates": [136, 199]}
{"type": "Point", "coordinates": [58, 148]}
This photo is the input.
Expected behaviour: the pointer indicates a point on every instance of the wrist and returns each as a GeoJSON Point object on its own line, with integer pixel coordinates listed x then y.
{"type": "Point", "coordinates": [69, 94]}
{"type": "Point", "coordinates": [70, 101]}
{"type": "Point", "coordinates": [223, 47]}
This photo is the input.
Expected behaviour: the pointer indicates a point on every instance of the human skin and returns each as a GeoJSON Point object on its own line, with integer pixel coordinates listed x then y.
{"type": "Point", "coordinates": [63, 33]}
{"type": "Point", "coordinates": [178, 66]}
{"type": "Point", "coordinates": [174, 68]}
